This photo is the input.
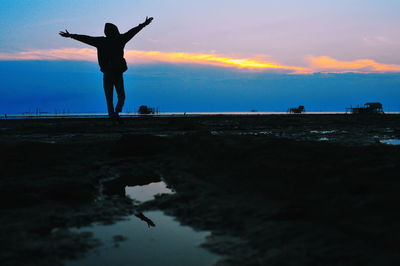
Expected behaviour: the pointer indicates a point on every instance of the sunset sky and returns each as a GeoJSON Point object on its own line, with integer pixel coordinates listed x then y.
{"type": "Point", "coordinates": [287, 37]}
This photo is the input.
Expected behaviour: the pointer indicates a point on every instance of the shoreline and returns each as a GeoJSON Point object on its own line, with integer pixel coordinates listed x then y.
{"type": "Point", "coordinates": [46, 115]}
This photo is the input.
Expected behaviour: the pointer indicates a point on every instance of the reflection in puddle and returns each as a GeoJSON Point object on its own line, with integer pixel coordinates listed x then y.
{"type": "Point", "coordinates": [149, 238]}
{"type": "Point", "coordinates": [391, 141]}
{"type": "Point", "coordinates": [323, 139]}
{"type": "Point", "coordinates": [132, 242]}
{"type": "Point", "coordinates": [147, 192]}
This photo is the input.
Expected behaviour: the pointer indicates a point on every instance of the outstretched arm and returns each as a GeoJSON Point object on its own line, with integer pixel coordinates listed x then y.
{"type": "Point", "coordinates": [144, 218]}
{"type": "Point", "coordinates": [94, 41]}
{"type": "Point", "coordinates": [132, 32]}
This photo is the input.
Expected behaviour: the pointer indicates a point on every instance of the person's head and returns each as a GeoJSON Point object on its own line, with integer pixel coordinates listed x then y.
{"type": "Point", "coordinates": [110, 30]}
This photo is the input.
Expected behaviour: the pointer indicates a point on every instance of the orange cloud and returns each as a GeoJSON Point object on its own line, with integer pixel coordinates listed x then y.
{"type": "Point", "coordinates": [153, 57]}
{"type": "Point", "coordinates": [317, 64]}
{"type": "Point", "coordinates": [210, 59]}
{"type": "Point", "coordinates": [329, 64]}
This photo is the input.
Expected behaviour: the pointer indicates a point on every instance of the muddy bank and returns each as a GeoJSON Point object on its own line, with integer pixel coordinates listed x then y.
{"type": "Point", "coordinates": [288, 202]}
{"type": "Point", "coordinates": [270, 189]}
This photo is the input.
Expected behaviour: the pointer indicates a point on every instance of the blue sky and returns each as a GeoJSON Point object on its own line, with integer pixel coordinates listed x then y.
{"type": "Point", "coordinates": [314, 36]}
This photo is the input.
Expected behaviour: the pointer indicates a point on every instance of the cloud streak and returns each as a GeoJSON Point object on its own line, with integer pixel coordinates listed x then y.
{"type": "Point", "coordinates": [315, 64]}
{"type": "Point", "coordinates": [52, 54]}
{"type": "Point", "coordinates": [148, 57]}
{"type": "Point", "coordinates": [211, 59]}
{"type": "Point", "coordinates": [329, 64]}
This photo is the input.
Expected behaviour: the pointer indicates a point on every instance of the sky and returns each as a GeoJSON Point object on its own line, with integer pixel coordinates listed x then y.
{"type": "Point", "coordinates": [243, 38]}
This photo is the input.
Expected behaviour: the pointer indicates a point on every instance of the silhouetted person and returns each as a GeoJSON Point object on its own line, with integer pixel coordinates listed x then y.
{"type": "Point", "coordinates": [110, 54]}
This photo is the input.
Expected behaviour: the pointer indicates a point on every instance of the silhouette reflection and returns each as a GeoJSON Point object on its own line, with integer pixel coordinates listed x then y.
{"type": "Point", "coordinates": [116, 187]}
{"type": "Point", "coordinates": [142, 217]}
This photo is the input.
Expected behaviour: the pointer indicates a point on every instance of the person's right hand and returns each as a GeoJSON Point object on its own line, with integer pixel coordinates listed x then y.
{"type": "Point", "coordinates": [65, 34]}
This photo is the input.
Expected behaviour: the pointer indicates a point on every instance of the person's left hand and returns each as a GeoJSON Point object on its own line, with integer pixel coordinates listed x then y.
{"type": "Point", "coordinates": [148, 20]}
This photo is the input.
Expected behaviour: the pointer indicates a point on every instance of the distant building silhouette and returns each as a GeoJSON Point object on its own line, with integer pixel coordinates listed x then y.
{"type": "Point", "coordinates": [368, 108]}
{"type": "Point", "coordinates": [145, 110]}
{"type": "Point", "coordinates": [296, 110]}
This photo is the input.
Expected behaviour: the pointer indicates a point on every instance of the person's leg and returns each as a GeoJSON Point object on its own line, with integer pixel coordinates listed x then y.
{"type": "Point", "coordinates": [119, 87]}
{"type": "Point", "coordinates": [108, 84]}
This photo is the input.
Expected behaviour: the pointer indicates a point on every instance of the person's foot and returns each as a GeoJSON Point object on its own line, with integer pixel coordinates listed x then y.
{"type": "Point", "coordinates": [118, 119]}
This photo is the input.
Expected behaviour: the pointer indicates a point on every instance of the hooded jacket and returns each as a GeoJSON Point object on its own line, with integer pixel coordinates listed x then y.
{"type": "Point", "coordinates": [110, 49]}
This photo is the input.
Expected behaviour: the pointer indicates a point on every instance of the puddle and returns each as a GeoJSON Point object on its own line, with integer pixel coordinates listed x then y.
{"type": "Point", "coordinates": [391, 141]}
{"type": "Point", "coordinates": [133, 242]}
{"type": "Point", "coordinates": [323, 139]}
{"type": "Point", "coordinates": [150, 238]}
{"type": "Point", "coordinates": [216, 133]}
{"type": "Point", "coordinates": [49, 141]}
{"type": "Point", "coordinates": [265, 132]}
{"type": "Point", "coordinates": [253, 133]}
{"type": "Point", "coordinates": [240, 133]}
{"type": "Point", "coordinates": [160, 135]}
{"type": "Point", "coordinates": [147, 192]}
{"type": "Point", "coordinates": [322, 131]}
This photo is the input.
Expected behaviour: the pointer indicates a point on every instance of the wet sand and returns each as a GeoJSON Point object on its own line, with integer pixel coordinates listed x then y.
{"type": "Point", "coordinates": [273, 189]}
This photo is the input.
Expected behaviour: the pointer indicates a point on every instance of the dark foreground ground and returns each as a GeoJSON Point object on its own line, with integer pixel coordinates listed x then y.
{"type": "Point", "coordinates": [273, 190]}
